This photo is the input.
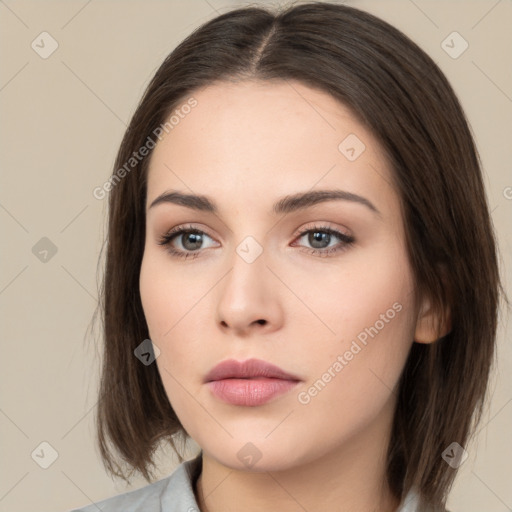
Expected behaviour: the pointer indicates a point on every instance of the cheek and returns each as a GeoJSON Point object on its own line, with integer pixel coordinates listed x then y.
{"type": "Point", "coordinates": [167, 300]}
{"type": "Point", "coordinates": [368, 314]}
{"type": "Point", "coordinates": [167, 295]}
{"type": "Point", "coordinates": [154, 294]}
{"type": "Point", "coordinates": [172, 302]}
{"type": "Point", "coordinates": [352, 374]}
{"type": "Point", "coordinates": [364, 292]}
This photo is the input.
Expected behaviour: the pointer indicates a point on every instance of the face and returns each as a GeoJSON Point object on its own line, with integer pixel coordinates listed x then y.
{"type": "Point", "coordinates": [322, 289]}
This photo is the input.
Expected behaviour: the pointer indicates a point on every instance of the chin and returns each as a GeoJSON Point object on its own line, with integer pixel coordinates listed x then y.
{"type": "Point", "coordinates": [257, 455]}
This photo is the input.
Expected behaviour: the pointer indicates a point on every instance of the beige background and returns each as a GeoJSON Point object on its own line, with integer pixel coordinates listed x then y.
{"type": "Point", "coordinates": [62, 121]}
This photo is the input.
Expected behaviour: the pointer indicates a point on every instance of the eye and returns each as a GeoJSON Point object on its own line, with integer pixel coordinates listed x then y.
{"type": "Point", "coordinates": [321, 236]}
{"type": "Point", "coordinates": [190, 239]}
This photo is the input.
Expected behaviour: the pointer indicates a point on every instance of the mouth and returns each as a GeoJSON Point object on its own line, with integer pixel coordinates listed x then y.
{"type": "Point", "coordinates": [250, 383]}
{"type": "Point", "coordinates": [250, 392]}
{"type": "Point", "coordinates": [249, 369]}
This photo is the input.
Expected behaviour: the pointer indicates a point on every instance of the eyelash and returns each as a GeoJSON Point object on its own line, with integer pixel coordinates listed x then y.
{"type": "Point", "coordinates": [167, 238]}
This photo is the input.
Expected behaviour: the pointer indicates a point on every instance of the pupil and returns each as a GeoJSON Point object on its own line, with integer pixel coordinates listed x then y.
{"type": "Point", "coordinates": [195, 239]}
{"type": "Point", "coordinates": [318, 237]}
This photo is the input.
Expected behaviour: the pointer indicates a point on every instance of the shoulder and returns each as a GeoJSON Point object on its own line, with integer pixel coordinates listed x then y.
{"type": "Point", "coordinates": [173, 493]}
{"type": "Point", "coordinates": [147, 498]}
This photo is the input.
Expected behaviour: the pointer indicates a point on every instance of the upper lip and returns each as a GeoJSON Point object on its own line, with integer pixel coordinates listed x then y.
{"type": "Point", "coordinates": [232, 369]}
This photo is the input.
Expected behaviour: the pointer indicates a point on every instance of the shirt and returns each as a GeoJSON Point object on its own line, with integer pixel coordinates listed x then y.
{"type": "Point", "coordinates": [176, 494]}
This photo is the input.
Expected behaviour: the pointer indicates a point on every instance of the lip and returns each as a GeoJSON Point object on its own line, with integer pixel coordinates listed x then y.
{"type": "Point", "coordinates": [232, 369]}
{"type": "Point", "coordinates": [249, 383]}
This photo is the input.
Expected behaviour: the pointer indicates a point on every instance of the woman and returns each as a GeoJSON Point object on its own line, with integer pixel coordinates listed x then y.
{"type": "Point", "coordinates": [300, 271]}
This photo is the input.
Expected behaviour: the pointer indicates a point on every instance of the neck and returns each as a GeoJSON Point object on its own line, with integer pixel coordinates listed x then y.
{"type": "Point", "coordinates": [351, 477]}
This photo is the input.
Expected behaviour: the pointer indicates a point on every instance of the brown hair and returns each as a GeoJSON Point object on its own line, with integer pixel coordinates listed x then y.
{"type": "Point", "coordinates": [403, 98]}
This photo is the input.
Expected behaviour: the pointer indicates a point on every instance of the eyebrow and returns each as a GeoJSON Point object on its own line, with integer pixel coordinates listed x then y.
{"type": "Point", "coordinates": [287, 204]}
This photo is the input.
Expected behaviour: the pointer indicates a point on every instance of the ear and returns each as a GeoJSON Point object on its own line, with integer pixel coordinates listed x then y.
{"type": "Point", "coordinates": [431, 324]}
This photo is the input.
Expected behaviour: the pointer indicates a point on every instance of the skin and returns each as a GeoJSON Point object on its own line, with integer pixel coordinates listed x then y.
{"type": "Point", "coordinates": [246, 145]}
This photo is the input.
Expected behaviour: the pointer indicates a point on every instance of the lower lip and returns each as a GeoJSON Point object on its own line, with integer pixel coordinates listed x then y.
{"type": "Point", "coordinates": [250, 392]}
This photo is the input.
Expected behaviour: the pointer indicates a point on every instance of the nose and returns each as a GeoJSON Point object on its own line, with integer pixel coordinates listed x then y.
{"type": "Point", "coordinates": [248, 298]}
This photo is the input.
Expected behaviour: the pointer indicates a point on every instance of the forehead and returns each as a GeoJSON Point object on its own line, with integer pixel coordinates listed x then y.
{"type": "Point", "coordinates": [265, 136]}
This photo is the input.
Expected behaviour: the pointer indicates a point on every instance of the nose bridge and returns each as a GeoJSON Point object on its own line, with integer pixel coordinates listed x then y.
{"type": "Point", "coordinates": [250, 250]}
{"type": "Point", "coordinates": [247, 296]}
{"type": "Point", "coordinates": [248, 266]}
